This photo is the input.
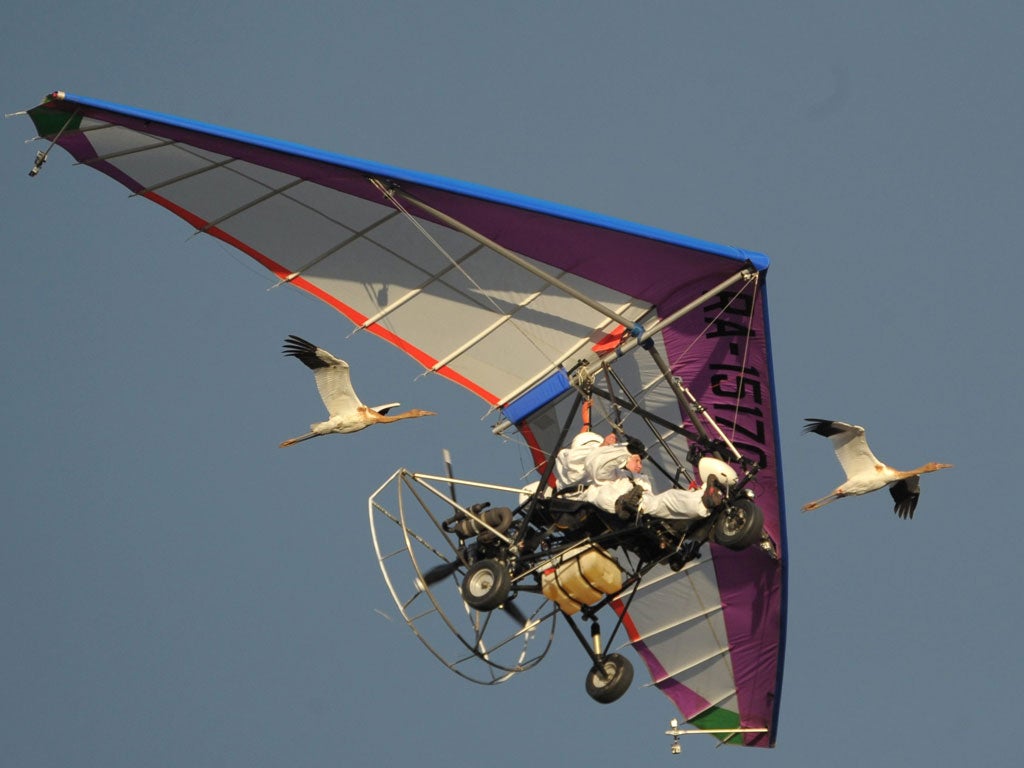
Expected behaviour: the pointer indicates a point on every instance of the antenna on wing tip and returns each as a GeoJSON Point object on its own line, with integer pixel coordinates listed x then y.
{"type": "Point", "coordinates": [724, 734]}
{"type": "Point", "coordinates": [41, 155]}
{"type": "Point", "coordinates": [675, 733]}
{"type": "Point", "coordinates": [38, 165]}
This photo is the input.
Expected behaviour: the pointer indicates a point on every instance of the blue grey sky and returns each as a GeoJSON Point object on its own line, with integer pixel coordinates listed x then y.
{"type": "Point", "coordinates": [176, 590]}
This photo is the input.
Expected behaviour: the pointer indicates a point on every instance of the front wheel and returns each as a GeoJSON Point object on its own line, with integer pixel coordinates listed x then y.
{"type": "Point", "coordinates": [739, 525]}
{"type": "Point", "coordinates": [607, 681]}
{"type": "Point", "coordinates": [486, 585]}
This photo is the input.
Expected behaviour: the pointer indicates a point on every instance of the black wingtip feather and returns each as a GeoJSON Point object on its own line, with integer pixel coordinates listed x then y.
{"type": "Point", "coordinates": [821, 427]}
{"type": "Point", "coordinates": [906, 500]}
{"type": "Point", "coordinates": [296, 346]}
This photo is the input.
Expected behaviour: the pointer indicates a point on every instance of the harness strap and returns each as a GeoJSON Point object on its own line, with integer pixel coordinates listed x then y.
{"type": "Point", "coordinates": [571, 489]}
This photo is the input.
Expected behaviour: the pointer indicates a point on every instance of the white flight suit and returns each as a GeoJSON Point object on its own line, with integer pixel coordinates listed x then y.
{"type": "Point", "coordinates": [569, 471]}
{"type": "Point", "coordinates": [605, 466]}
{"type": "Point", "coordinates": [569, 466]}
{"type": "Point", "coordinates": [570, 463]}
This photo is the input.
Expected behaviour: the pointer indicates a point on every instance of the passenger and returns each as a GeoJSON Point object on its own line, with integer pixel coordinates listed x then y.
{"type": "Point", "coordinates": [621, 487]}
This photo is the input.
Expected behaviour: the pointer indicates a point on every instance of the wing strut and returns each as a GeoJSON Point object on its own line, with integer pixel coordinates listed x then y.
{"type": "Point", "coordinates": [694, 410]}
{"type": "Point", "coordinates": [635, 329]}
{"type": "Point", "coordinates": [748, 273]}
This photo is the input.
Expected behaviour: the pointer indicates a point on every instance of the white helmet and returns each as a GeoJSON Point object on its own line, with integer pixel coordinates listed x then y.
{"type": "Point", "coordinates": [586, 438]}
{"type": "Point", "coordinates": [709, 465]}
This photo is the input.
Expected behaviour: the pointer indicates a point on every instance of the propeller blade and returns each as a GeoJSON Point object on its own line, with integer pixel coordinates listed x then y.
{"type": "Point", "coordinates": [448, 470]}
{"type": "Point", "coordinates": [517, 615]}
{"type": "Point", "coordinates": [439, 572]}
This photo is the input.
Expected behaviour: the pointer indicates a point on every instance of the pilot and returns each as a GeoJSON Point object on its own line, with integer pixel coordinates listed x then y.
{"type": "Point", "coordinates": [571, 478]}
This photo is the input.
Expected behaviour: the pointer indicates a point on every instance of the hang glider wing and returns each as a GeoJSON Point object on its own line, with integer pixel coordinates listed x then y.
{"type": "Point", "coordinates": [506, 296]}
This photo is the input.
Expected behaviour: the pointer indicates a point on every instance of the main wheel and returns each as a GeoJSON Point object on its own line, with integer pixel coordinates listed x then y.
{"type": "Point", "coordinates": [610, 679]}
{"type": "Point", "coordinates": [486, 585]}
{"type": "Point", "coordinates": [740, 525]}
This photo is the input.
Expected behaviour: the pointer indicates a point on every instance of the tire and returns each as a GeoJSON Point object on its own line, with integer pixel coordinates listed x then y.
{"type": "Point", "coordinates": [739, 525]}
{"type": "Point", "coordinates": [610, 680]}
{"type": "Point", "coordinates": [486, 585]}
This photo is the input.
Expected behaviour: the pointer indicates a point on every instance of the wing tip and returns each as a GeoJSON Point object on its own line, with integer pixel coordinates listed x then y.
{"type": "Point", "coordinates": [296, 345]}
{"type": "Point", "coordinates": [830, 428]}
{"type": "Point", "coordinates": [307, 352]}
{"type": "Point", "coordinates": [905, 500]}
{"type": "Point", "coordinates": [818, 427]}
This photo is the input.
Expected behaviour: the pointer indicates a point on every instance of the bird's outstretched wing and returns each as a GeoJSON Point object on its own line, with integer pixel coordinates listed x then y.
{"type": "Point", "coordinates": [330, 373]}
{"type": "Point", "coordinates": [850, 445]}
{"type": "Point", "coordinates": [905, 493]}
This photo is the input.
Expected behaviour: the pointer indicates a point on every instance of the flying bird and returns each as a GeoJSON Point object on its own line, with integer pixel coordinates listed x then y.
{"type": "Point", "coordinates": [864, 472]}
{"type": "Point", "coordinates": [345, 411]}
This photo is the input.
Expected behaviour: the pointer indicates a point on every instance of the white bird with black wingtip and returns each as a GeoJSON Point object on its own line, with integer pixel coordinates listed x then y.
{"type": "Point", "coordinates": [345, 411]}
{"type": "Point", "coordinates": [864, 472]}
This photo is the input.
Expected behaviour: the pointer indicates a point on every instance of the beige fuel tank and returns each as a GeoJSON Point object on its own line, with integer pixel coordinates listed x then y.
{"type": "Point", "coordinates": [581, 576]}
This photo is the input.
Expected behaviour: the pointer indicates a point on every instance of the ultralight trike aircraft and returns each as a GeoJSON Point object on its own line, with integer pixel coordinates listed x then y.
{"type": "Point", "coordinates": [539, 310]}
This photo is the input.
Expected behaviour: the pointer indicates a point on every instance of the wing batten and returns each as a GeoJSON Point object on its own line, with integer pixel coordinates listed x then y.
{"type": "Point", "coordinates": [250, 205]}
{"type": "Point", "coordinates": [333, 250]}
{"type": "Point", "coordinates": [693, 665]}
{"type": "Point", "coordinates": [680, 623]}
{"type": "Point", "coordinates": [106, 158]}
{"type": "Point", "coordinates": [431, 278]}
{"type": "Point", "coordinates": [183, 177]}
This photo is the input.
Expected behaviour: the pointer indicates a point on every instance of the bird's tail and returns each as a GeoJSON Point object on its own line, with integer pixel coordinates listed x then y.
{"type": "Point", "coordinates": [298, 439]}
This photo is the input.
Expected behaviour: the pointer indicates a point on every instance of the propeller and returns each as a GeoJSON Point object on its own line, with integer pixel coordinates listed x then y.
{"type": "Point", "coordinates": [444, 570]}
